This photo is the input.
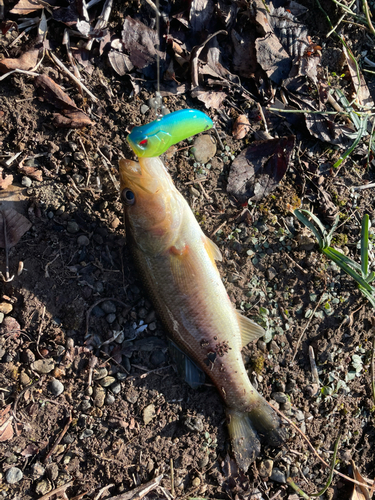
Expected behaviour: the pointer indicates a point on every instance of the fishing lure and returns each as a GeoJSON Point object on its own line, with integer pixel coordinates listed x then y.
{"type": "Point", "coordinates": [153, 139]}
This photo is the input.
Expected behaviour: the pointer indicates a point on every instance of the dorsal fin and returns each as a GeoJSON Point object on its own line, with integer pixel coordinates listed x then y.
{"type": "Point", "coordinates": [212, 249]}
{"type": "Point", "coordinates": [250, 330]}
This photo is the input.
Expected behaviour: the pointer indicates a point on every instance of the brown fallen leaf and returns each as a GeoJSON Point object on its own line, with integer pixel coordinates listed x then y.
{"type": "Point", "coordinates": [15, 225]}
{"type": "Point", "coordinates": [5, 179]}
{"type": "Point", "coordinates": [6, 429]}
{"type": "Point", "coordinates": [26, 61]}
{"type": "Point", "coordinates": [53, 93]}
{"type": "Point", "coordinates": [259, 169]}
{"type": "Point", "coordinates": [32, 172]}
{"type": "Point", "coordinates": [359, 492]}
{"type": "Point", "coordinates": [120, 62]}
{"type": "Point", "coordinates": [241, 127]}
{"type": "Point", "coordinates": [24, 7]}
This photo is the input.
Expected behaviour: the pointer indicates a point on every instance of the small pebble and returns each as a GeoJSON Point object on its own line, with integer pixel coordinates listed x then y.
{"type": "Point", "coordinates": [13, 475]}
{"type": "Point", "coordinates": [109, 399]}
{"type": "Point", "coordinates": [5, 307]}
{"type": "Point", "coordinates": [56, 387]}
{"type": "Point", "coordinates": [1, 317]}
{"type": "Point", "coordinates": [144, 109]}
{"type": "Point", "coordinates": [85, 405]}
{"type": "Point", "coordinates": [121, 376]}
{"type": "Point", "coordinates": [108, 307]}
{"type": "Point", "coordinates": [148, 414]}
{"type": "Point", "coordinates": [72, 227]}
{"type": "Point", "coordinates": [43, 487]}
{"type": "Point", "coordinates": [67, 160]}
{"type": "Point", "coordinates": [26, 181]}
{"type": "Point", "coordinates": [271, 273]}
{"type": "Point", "coordinates": [24, 379]}
{"type": "Point", "coordinates": [278, 476]}
{"type": "Point", "coordinates": [157, 358]}
{"type": "Point", "coordinates": [116, 388]}
{"type": "Point", "coordinates": [194, 424]}
{"type": "Point", "coordinates": [43, 365]}
{"type": "Point", "coordinates": [280, 397]}
{"type": "Point", "coordinates": [265, 468]}
{"type": "Point", "coordinates": [99, 373]}
{"type": "Point", "coordinates": [52, 471]}
{"type": "Point", "coordinates": [38, 470]}
{"type": "Point", "coordinates": [83, 240]}
{"type": "Point", "coordinates": [98, 312]}
{"type": "Point", "coordinates": [77, 178]}
{"type": "Point", "coordinates": [115, 223]}
{"type": "Point", "coordinates": [86, 433]}
{"type": "Point", "coordinates": [111, 318]}
{"type": "Point", "coordinates": [196, 482]}
{"type": "Point", "coordinates": [204, 148]}
{"type": "Point", "coordinates": [262, 346]}
{"type": "Point", "coordinates": [107, 381]}
{"type": "Point", "coordinates": [99, 396]}
{"type": "Point", "coordinates": [299, 415]}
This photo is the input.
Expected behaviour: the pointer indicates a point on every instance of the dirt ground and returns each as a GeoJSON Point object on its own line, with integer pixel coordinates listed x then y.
{"type": "Point", "coordinates": [82, 352]}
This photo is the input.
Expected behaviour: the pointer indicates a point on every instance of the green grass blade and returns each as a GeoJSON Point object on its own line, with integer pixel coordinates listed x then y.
{"type": "Point", "coordinates": [370, 277]}
{"type": "Point", "coordinates": [364, 246]}
{"type": "Point", "coordinates": [346, 105]}
{"type": "Point", "coordinates": [319, 236]}
{"type": "Point", "coordinates": [361, 131]}
{"type": "Point", "coordinates": [337, 257]}
{"type": "Point", "coordinates": [369, 296]}
{"type": "Point", "coordinates": [346, 259]}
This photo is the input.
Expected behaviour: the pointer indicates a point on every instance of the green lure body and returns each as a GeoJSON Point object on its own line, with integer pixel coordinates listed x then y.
{"type": "Point", "coordinates": [153, 139]}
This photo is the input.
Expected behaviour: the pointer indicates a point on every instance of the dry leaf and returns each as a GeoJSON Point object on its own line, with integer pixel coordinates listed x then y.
{"type": "Point", "coordinates": [32, 172]}
{"type": "Point", "coordinates": [120, 62]}
{"type": "Point", "coordinates": [359, 85]}
{"type": "Point", "coordinates": [259, 169]}
{"type": "Point", "coordinates": [6, 429]}
{"type": "Point", "coordinates": [16, 226]}
{"type": "Point", "coordinates": [359, 492]}
{"type": "Point", "coordinates": [24, 7]}
{"type": "Point", "coordinates": [5, 181]}
{"type": "Point", "coordinates": [53, 93]}
{"type": "Point", "coordinates": [241, 127]}
{"type": "Point", "coordinates": [26, 61]}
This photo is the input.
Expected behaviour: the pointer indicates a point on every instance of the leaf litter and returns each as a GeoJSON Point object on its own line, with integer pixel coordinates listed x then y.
{"type": "Point", "coordinates": [227, 56]}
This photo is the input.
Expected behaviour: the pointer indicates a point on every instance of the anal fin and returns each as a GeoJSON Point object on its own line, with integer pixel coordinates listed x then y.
{"type": "Point", "coordinates": [212, 249]}
{"type": "Point", "coordinates": [186, 368]}
{"type": "Point", "coordinates": [250, 330]}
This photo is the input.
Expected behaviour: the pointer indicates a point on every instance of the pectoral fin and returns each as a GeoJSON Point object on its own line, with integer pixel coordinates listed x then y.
{"type": "Point", "coordinates": [182, 267]}
{"type": "Point", "coordinates": [250, 330]}
{"type": "Point", "coordinates": [213, 250]}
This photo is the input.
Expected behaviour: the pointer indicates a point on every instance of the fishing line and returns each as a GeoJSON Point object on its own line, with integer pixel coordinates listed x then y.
{"type": "Point", "coordinates": [157, 101]}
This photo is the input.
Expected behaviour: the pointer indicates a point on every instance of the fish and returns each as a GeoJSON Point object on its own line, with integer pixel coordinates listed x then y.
{"type": "Point", "coordinates": [177, 263]}
{"type": "Point", "coordinates": [154, 138]}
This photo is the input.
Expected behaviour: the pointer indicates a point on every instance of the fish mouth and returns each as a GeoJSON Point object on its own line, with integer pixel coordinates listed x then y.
{"type": "Point", "coordinates": [135, 177]}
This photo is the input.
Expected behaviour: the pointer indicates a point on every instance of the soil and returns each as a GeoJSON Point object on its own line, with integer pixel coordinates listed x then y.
{"type": "Point", "coordinates": [79, 304]}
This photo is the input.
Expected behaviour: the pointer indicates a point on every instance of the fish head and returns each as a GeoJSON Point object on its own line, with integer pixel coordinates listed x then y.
{"type": "Point", "coordinates": [149, 140]}
{"type": "Point", "coordinates": [151, 203]}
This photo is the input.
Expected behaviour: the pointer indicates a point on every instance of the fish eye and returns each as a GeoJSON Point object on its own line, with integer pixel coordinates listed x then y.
{"type": "Point", "coordinates": [128, 197]}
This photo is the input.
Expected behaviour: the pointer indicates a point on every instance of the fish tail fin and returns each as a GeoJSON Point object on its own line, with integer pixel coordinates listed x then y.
{"type": "Point", "coordinates": [266, 421]}
{"type": "Point", "coordinates": [244, 438]}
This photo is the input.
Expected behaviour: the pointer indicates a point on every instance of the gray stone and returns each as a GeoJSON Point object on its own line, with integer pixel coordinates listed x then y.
{"type": "Point", "coordinates": [98, 312]}
{"type": "Point", "coordinates": [72, 227]}
{"type": "Point", "coordinates": [78, 156]}
{"type": "Point", "coordinates": [85, 405]}
{"type": "Point", "coordinates": [26, 181]}
{"type": "Point", "coordinates": [121, 376]}
{"type": "Point", "coordinates": [56, 387]}
{"type": "Point", "coordinates": [148, 414]}
{"type": "Point", "coordinates": [108, 307]}
{"type": "Point", "coordinates": [13, 475]}
{"type": "Point", "coordinates": [116, 388]}
{"type": "Point", "coordinates": [38, 470]}
{"type": "Point", "coordinates": [109, 399]}
{"type": "Point", "coordinates": [111, 318]}
{"type": "Point", "coordinates": [43, 365]}
{"type": "Point", "coordinates": [194, 424]}
{"type": "Point", "coordinates": [278, 476]}
{"type": "Point", "coordinates": [24, 379]}
{"type": "Point", "coordinates": [299, 415]}
{"type": "Point", "coordinates": [280, 397]}
{"type": "Point", "coordinates": [83, 240]}
{"type": "Point", "coordinates": [86, 433]}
